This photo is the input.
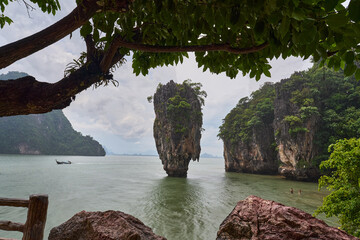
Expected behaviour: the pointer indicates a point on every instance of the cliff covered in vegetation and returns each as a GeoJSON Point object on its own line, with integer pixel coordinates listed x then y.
{"type": "Point", "coordinates": [178, 125]}
{"type": "Point", "coordinates": [287, 127]}
{"type": "Point", "coordinates": [48, 134]}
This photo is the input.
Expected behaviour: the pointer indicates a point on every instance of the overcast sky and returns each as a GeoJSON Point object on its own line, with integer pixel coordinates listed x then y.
{"type": "Point", "coordinates": [121, 118]}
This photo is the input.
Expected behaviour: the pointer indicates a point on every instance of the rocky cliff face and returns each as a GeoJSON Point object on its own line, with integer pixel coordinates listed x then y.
{"type": "Point", "coordinates": [294, 135]}
{"type": "Point", "coordinates": [256, 156]}
{"type": "Point", "coordinates": [177, 127]}
{"type": "Point", "coordinates": [275, 130]}
{"type": "Point", "coordinates": [248, 134]}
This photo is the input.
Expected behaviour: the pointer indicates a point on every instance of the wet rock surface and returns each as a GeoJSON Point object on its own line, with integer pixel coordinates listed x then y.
{"type": "Point", "coordinates": [177, 127]}
{"type": "Point", "coordinates": [109, 225]}
{"type": "Point", "coordinates": [258, 219]}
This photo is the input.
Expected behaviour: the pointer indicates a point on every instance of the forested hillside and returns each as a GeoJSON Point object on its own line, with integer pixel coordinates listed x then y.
{"type": "Point", "coordinates": [303, 115]}
{"type": "Point", "coordinates": [49, 134]}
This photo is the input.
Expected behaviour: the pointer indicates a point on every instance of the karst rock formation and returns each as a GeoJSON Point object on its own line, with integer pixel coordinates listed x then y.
{"type": "Point", "coordinates": [177, 126]}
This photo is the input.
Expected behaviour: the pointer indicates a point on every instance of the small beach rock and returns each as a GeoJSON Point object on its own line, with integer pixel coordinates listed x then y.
{"type": "Point", "coordinates": [109, 225]}
{"type": "Point", "coordinates": [258, 219]}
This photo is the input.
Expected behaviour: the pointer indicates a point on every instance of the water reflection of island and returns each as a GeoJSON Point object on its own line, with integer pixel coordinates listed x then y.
{"type": "Point", "coordinates": [175, 208]}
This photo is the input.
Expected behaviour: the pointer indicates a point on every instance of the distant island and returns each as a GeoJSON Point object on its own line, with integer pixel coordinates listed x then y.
{"type": "Point", "coordinates": [45, 134]}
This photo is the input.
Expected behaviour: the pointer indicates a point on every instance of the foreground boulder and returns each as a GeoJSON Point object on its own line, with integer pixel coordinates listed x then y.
{"type": "Point", "coordinates": [109, 225]}
{"type": "Point", "coordinates": [255, 218]}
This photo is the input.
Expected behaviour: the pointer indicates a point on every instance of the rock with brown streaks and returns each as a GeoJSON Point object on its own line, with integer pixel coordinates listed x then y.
{"type": "Point", "coordinates": [109, 225]}
{"type": "Point", "coordinates": [258, 219]}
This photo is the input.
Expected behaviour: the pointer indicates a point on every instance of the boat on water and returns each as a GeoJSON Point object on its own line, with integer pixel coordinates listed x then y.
{"type": "Point", "coordinates": [62, 162]}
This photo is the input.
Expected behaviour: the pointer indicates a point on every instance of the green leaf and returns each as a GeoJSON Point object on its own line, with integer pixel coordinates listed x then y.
{"type": "Point", "coordinates": [337, 20]}
{"type": "Point", "coordinates": [310, 2]}
{"type": "Point", "coordinates": [337, 63]}
{"type": "Point", "coordinates": [354, 10]}
{"type": "Point", "coordinates": [259, 28]}
{"type": "Point", "coordinates": [330, 62]}
{"type": "Point", "coordinates": [274, 18]}
{"type": "Point", "coordinates": [357, 76]}
{"type": "Point", "coordinates": [234, 15]}
{"type": "Point", "coordinates": [158, 4]}
{"type": "Point", "coordinates": [296, 2]}
{"type": "Point", "coordinates": [330, 4]}
{"type": "Point", "coordinates": [86, 29]}
{"type": "Point", "coordinates": [284, 26]}
{"type": "Point", "coordinates": [308, 35]}
{"type": "Point", "coordinates": [96, 35]}
{"type": "Point", "coordinates": [267, 73]}
{"type": "Point", "coordinates": [252, 73]}
{"type": "Point", "coordinates": [349, 57]}
{"type": "Point", "coordinates": [298, 14]}
{"type": "Point", "coordinates": [349, 69]}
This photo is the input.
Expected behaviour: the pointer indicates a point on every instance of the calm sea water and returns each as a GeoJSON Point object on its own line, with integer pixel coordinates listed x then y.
{"type": "Point", "coordinates": [177, 208]}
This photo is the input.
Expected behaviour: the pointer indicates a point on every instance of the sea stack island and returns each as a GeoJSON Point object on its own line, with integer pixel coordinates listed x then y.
{"type": "Point", "coordinates": [178, 125]}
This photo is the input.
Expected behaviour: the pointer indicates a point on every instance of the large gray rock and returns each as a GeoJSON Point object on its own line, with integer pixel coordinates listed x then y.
{"type": "Point", "coordinates": [258, 219]}
{"type": "Point", "coordinates": [109, 225]}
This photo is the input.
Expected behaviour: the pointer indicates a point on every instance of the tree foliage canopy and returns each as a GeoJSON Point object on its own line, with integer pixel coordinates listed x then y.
{"type": "Point", "coordinates": [248, 114]}
{"type": "Point", "coordinates": [226, 36]}
{"type": "Point", "coordinates": [344, 184]}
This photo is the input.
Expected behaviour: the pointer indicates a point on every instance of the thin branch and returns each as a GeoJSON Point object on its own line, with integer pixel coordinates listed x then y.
{"type": "Point", "coordinates": [12, 52]}
{"type": "Point", "coordinates": [107, 60]}
{"type": "Point", "coordinates": [28, 8]}
{"type": "Point", "coordinates": [119, 42]}
{"type": "Point", "coordinates": [330, 53]}
{"type": "Point", "coordinates": [90, 47]}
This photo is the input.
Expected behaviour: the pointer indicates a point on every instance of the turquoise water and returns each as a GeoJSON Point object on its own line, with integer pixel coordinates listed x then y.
{"type": "Point", "coordinates": [176, 208]}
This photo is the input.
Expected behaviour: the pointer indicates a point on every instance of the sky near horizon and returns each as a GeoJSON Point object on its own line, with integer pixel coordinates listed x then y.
{"type": "Point", "coordinates": [121, 118]}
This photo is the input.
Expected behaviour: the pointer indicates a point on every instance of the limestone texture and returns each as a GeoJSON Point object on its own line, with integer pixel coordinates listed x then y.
{"type": "Point", "coordinates": [177, 127]}
{"type": "Point", "coordinates": [256, 156]}
{"type": "Point", "coordinates": [258, 219]}
{"type": "Point", "coordinates": [280, 142]}
{"type": "Point", "coordinates": [295, 151]}
{"type": "Point", "coordinates": [109, 225]}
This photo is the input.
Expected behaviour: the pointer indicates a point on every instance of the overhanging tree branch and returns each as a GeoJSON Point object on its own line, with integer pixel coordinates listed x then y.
{"type": "Point", "coordinates": [12, 52]}
{"type": "Point", "coordinates": [28, 96]}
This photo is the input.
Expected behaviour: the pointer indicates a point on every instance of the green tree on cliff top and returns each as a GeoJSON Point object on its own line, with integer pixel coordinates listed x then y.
{"type": "Point", "coordinates": [226, 36]}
